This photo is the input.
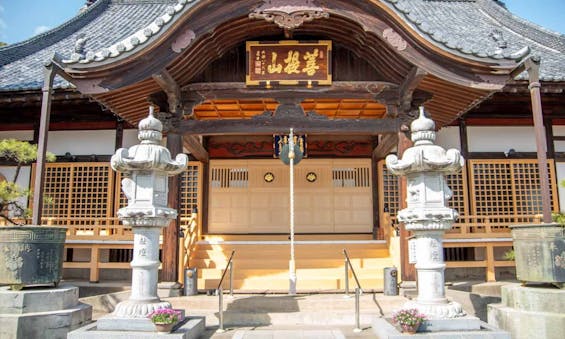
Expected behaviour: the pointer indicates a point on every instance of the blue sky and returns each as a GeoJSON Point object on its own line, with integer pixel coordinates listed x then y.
{"type": "Point", "coordinates": [22, 19]}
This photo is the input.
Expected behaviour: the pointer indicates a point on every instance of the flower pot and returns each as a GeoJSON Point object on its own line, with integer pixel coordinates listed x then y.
{"type": "Point", "coordinates": [31, 255]}
{"type": "Point", "coordinates": [164, 328]}
{"type": "Point", "coordinates": [410, 329]}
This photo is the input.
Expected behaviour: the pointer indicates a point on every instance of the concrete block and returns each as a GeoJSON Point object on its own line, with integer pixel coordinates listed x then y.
{"type": "Point", "coordinates": [191, 328]}
{"type": "Point", "coordinates": [37, 299]}
{"type": "Point", "coordinates": [52, 324]}
{"type": "Point", "coordinates": [116, 323]}
{"type": "Point", "coordinates": [467, 323]}
{"type": "Point", "coordinates": [383, 329]}
{"type": "Point", "coordinates": [169, 289]}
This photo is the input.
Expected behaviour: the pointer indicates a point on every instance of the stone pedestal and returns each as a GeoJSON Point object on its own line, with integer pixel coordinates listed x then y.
{"type": "Point", "coordinates": [530, 312]}
{"type": "Point", "coordinates": [463, 327]}
{"type": "Point", "coordinates": [41, 313]}
{"type": "Point", "coordinates": [191, 328]}
{"type": "Point", "coordinates": [169, 289]}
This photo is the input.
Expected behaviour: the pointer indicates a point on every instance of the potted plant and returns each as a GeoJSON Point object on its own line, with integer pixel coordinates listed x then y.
{"type": "Point", "coordinates": [29, 255]}
{"type": "Point", "coordinates": [408, 319]}
{"type": "Point", "coordinates": [165, 319]}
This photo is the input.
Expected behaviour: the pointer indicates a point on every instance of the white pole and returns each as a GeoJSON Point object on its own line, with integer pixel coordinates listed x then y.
{"type": "Point", "coordinates": [292, 266]}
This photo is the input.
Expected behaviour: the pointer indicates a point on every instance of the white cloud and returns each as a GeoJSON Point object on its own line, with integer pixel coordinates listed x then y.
{"type": "Point", "coordinates": [40, 29]}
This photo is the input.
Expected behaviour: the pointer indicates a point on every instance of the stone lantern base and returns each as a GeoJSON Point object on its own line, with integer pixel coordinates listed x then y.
{"type": "Point", "coordinates": [191, 328]}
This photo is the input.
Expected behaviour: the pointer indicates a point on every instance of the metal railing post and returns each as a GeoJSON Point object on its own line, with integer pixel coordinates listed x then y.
{"type": "Point", "coordinates": [221, 309]}
{"type": "Point", "coordinates": [346, 265]}
{"type": "Point", "coordinates": [231, 279]}
{"type": "Point", "coordinates": [357, 328]}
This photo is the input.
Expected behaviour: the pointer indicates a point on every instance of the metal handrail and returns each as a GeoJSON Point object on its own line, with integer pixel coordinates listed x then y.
{"type": "Point", "coordinates": [348, 266]}
{"type": "Point", "coordinates": [358, 290]}
{"type": "Point", "coordinates": [229, 266]}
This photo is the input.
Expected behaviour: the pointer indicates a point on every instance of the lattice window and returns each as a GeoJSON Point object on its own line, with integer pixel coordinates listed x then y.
{"type": "Point", "coordinates": [508, 187]}
{"type": "Point", "coordinates": [351, 177]}
{"type": "Point", "coordinates": [229, 178]}
{"type": "Point", "coordinates": [389, 197]}
{"type": "Point", "coordinates": [78, 194]}
{"type": "Point", "coordinates": [189, 189]}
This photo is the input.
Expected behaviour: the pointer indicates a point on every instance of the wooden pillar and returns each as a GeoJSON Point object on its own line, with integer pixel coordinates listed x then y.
{"type": "Point", "coordinates": [532, 66]}
{"type": "Point", "coordinates": [170, 251]}
{"type": "Point", "coordinates": [118, 143]}
{"type": "Point", "coordinates": [463, 139]}
{"type": "Point", "coordinates": [49, 75]}
{"type": "Point", "coordinates": [408, 270]}
{"type": "Point", "coordinates": [548, 124]}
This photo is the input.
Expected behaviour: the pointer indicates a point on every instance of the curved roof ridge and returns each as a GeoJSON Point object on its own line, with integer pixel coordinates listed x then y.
{"type": "Point", "coordinates": [138, 38]}
{"type": "Point", "coordinates": [416, 13]}
{"type": "Point", "coordinates": [13, 52]}
{"type": "Point", "coordinates": [524, 27]}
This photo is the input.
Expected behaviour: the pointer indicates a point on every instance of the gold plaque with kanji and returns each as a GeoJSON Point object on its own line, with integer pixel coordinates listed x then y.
{"type": "Point", "coordinates": [289, 62]}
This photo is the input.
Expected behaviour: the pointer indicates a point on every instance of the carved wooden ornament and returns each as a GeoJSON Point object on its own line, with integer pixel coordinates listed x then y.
{"type": "Point", "coordinates": [289, 14]}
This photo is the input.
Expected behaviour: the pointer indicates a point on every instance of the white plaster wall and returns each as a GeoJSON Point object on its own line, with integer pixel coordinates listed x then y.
{"type": "Point", "coordinates": [501, 139]}
{"type": "Point", "coordinates": [448, 137]}
{"type": "Point", "coordinates": [19, 135]}
{"type": "Point", "coordinates": [559, 131]}
{"type": "Point", "coordinates": [130, 138]}
{"type": "Point", "coordinates": [560, 167]}
{"type": "Point", "coordinates": [101, 142]}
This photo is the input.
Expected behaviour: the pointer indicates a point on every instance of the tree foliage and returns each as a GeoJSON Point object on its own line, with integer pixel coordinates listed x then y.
{"type": "Point", "coordinates": [11, 194]}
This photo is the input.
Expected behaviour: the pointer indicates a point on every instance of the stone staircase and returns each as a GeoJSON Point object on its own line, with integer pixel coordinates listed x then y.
{"type": "Point", "coordinates": [261, 266]}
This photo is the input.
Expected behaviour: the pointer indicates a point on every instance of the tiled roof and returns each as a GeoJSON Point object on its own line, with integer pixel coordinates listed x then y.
{"type": "Point", "coordinates": [101, 25]}
{"type": "Point", "coordinates": [480, 29]}
{"type": "Point", "coordinates": [484, 29]}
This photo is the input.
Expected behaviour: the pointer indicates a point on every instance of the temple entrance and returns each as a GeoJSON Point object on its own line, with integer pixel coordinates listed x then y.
{"type": "Point", "coordinates": [251, 196]}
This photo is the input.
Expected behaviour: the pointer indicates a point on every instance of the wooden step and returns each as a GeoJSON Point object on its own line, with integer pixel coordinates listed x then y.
{"type": "Point", "coordinates": [283, 252]}
{"type": "Point", "coordinates": [280, 263]}
{"type": "Point", "coordinates": [283, 273]}
{"type": "Point", "coordinates": [282, 284]}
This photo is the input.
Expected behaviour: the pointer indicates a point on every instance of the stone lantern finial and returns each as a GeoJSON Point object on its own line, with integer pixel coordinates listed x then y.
{"type": "Point", "coordinates": [150, 129]}
{"type": "Point", "coordinates": [423, 129]}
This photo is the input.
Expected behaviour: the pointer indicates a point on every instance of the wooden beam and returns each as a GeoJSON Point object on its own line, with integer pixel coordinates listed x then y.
{"type": "Point", "coordinates": [172, 89]}
{"type": "Point", "coordinates": [407, 88]}
{"type": "Point", "coordinates": [386, 143]}
{"type": "Point", "coordinates": [380, 91]}
{"type": "Point", "coordinates": [193, 145]}
{"type": "Point", "coordinates": [269, 124]}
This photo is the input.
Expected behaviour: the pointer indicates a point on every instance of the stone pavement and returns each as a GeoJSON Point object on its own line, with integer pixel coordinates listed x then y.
{"type": "Point", "coordinates": [289, 332]}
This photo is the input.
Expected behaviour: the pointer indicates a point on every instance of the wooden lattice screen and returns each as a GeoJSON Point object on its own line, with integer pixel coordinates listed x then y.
{"type": "Point", "coordinates": [78, 194]}
{"type": "Point", "coordinates": [191, 183]}
{"type": "Point", "coordinates": [389, 194]}
{"type": "Point", "coordinates": [508, 187]}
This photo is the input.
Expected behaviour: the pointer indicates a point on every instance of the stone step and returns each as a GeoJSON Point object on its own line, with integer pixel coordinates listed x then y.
{"type": "Point", "coordinates": [263, 310]}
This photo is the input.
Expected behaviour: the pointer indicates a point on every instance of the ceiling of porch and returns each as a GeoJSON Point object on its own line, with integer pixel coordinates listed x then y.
{"type": "Point", "coordinates": [332, 108]}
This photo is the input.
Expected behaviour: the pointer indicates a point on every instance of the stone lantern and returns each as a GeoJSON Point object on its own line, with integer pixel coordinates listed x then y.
{"type": "Point", "coordinates": [427, 215]}
{"type": "Point", "coordinates": [145, 168]}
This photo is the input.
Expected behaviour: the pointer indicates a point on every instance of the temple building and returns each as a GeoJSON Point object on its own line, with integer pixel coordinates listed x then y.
{"type": "Point", "coordinates": [229, 78]}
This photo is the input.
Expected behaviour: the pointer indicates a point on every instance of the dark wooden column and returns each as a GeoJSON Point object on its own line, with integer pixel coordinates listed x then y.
{"type": "Point", "coordinates": [532, 66]}
{"type": "Point", "coordinates": [170, 252]}
{"type": "Point", "coordinates": [118, 143]}
{"type": "Point", "coordinates": [408, 270]}
{"type": "Point", "coordinates": [49, 76]}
